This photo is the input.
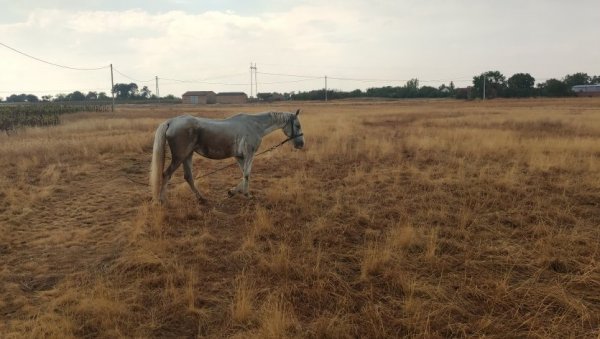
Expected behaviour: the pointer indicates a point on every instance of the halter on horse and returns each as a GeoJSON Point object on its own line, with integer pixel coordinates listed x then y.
{"type": "Point", "coordinates": [239, 136]}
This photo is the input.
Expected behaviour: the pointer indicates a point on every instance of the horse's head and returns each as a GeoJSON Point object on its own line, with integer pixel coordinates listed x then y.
{"type": "Point", "coordinates": [293, 130]}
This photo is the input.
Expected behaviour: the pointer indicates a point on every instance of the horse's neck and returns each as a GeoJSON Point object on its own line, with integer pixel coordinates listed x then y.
{"type": "Point", "coordinates": [272, 121]}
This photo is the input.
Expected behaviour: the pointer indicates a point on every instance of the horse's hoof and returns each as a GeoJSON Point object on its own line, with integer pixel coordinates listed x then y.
{"type": "Point", "coordinates": [231, 193]}
{"type": "Point", "coordinates": [249, 196]}
{"type": "Point", "coordinates": [202, 201]}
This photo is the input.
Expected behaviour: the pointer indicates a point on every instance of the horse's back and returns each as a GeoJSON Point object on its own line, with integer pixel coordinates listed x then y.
{"type": "Point", "coordinates": [190, 124]}
{"type": "Point", "coordinates": [189, 120]}
{"type": "Point", "coordinates": [212, 138]}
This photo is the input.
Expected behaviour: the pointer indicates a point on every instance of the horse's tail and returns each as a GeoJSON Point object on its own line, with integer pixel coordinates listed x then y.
{"type": "Point", "coordinates": [158, 160]}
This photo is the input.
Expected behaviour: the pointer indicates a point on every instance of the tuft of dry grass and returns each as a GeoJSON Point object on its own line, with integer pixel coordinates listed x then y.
{"type": "Point", "coordinates": [416, 218]}
{"type": "Point", "coordinates": [243, 304]}
{"type": "Point", "coordinates": [277, 319]}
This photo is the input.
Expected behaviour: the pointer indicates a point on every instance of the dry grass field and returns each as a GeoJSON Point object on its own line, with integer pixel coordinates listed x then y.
{"type": "Point", "coordinates": [425, 219]}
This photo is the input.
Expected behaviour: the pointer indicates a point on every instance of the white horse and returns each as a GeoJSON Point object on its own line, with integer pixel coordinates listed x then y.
{"type": "Point", "coordinates": [238, 136]}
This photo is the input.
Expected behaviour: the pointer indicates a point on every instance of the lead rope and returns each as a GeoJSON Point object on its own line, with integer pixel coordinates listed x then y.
{"type": "Point", "coordinates": [256, 155]}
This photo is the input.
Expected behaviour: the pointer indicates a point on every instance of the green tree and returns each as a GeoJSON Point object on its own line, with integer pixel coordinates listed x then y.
{"type": "Point", "coordinates": [31, 98]}
{"type": "Point", "coordinates": [495, 84]}
{"type": "Point", "coordinates": [577, 79]}
{"type": "Point", "coordinates": [16, 98]}
{"type": "Point", "coordinates": [102, 96]}
{"type": "Point", "coordinates": [384, 92]}
{"type": "Point", "coordinates": [554, 88]}
{"type": "Point", "coordinates": [463, 93]}
{"type": "Point", "coordinates": [412, 84]}
{"type": "Point", "coordinates": [520, 85]}
{"type": "Point", "coordinates": [125, 91]}
{"type": "Point", "coordinates": [446, 91]}
{"type": "Point", "coordinates": [91, 96]}
{"type": "Point", "coordinates": [411, 89]}
{"type": "Point", "coordinates": [429, 92]}
{"type": "Point", "coordinates": [76, 96]}
{"type": "Point", "coordinates": [145, 93]}
{"type": "Point", "coordinates": [357, 93]}
{"type": "Point", "coordinates": [264, 96]}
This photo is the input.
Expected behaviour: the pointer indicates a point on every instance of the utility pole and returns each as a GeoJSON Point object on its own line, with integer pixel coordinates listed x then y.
{"type": "Point", "coordinates": [251, 79]}
{"type": "Point", "coordinates": [326, 88]}
{"type": "Point", "coordinates": [112, 88]}
{"type": "Point", "coordinates": [484, 76]}
{"type": "Point", "coordinates": [255, 80]}
{"type": "Point", "coordinates": [157, 92]}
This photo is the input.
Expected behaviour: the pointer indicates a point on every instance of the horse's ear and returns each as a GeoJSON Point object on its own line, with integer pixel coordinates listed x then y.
{"type": "Point", "coordinates": [297, 111]}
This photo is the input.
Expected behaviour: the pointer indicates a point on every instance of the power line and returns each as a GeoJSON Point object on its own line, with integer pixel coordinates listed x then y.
{"type": "Point", "coordinates": [172, 81]}
{"type": "Point", "coordinates": [224, 76]}
{"type": "Point", "coordinates": [52, 63]}
{"type": "Point", "coordinates": [302, 77]}
{"type": "Point", "coordinates": [392, 80]}
{"type": "Point", "coordinates": [307, 66]}
{"type": "Point", "coordinates": [203, 82]}
{"type": "Point", "coordinates": [289, 81]}
{"type": "Point", "coordinates": [55, 90]}
{"type": "Point", "coordinates": [292, 75]}
{"type": "Point", "coordinates": [130, 78]}
{"type": "Point", "coordinates": [206, 80]}
{"type": "Point", "coordinates": [355, 79]}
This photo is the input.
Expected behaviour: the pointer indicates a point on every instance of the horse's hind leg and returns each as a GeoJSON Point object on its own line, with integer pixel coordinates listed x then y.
{"type": "Point", "coordinates": [187, 174]}
{"type": "Point", "coordinates": [175, 162]}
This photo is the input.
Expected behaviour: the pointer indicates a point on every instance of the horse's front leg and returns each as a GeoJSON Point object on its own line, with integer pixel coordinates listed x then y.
{"type": "Point", "coordinates": [246, 179]}
{"type": "Point", "coordinates": [246, 166]}
{"type": "Point", "coordinates": [239, 186]}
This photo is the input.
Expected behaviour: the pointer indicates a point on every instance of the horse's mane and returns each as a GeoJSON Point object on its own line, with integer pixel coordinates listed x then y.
{"type": "Point", "coordinates": [281, 117]}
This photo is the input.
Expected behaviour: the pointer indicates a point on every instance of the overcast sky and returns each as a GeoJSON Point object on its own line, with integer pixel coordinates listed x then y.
{"type": "Point", "coordinates": [214, 41]}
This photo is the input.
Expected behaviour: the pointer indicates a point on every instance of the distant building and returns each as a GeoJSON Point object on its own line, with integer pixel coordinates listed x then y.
{"type": "Point", "coordinates": [232, 98]}
{"type": "Point", "coordinates": [199, 97]}
{"type": "Point", "coordinates": [587, 90]}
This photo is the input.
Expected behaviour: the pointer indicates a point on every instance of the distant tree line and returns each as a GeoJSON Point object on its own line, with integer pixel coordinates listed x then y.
{"type": "Point", "coordinates": [519, 85]}
{"type": "Point", "coordinates": [410, 90]}
{"type": "Point", "coordinates": [130, 92]}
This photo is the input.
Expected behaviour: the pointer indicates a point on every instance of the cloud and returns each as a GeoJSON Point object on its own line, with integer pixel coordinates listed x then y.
{"type": "Point", "coordinates": [354, 39]}
{"type": "Point", "coordinates": [179, 44]}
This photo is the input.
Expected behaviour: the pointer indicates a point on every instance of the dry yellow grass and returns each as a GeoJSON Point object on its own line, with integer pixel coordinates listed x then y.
{"type": "Point", "coordinates": [399, 218]}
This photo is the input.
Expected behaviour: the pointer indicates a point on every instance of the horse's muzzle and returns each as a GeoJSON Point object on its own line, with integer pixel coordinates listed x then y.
{"type": "Point", "coordinates": [298, 144]}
